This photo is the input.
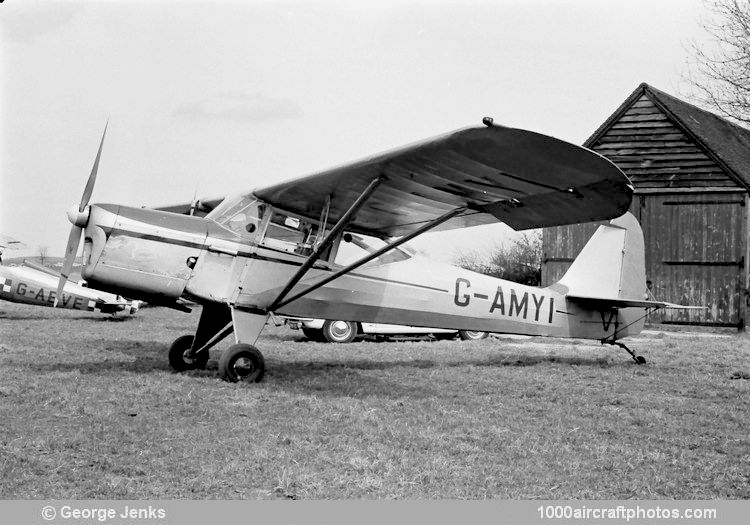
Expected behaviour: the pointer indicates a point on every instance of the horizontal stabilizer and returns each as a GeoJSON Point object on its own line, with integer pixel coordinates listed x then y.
{"type": "Point", "coordinates": [609, 302]}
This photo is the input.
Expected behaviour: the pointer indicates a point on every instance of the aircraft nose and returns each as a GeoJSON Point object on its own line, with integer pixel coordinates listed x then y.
{"type": "Point", "coordinates": [77, 217]}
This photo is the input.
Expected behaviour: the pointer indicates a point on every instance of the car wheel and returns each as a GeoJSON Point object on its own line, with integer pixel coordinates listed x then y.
{"type": "Point", "coordinates": [472, 335]}
{"type": "Point", "coordinates": [339, 331]}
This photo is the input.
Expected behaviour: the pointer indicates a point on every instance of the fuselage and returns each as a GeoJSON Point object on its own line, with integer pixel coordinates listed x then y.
{"type": "Point", "coordinates": [161, 257]}
{"type": "Point", "coordinates": [21, 284]}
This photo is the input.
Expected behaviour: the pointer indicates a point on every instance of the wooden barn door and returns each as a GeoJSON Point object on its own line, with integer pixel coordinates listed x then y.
{"type": "Point", "coordinates": [695, 255]}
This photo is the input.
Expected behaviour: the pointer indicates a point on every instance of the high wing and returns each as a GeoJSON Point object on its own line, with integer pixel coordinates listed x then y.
{"type": "Point", "coordinates": [522, 178]}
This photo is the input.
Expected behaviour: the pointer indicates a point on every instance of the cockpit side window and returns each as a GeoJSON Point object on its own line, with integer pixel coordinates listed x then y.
{"type": "Point", "coordinates": [290, 234]}
{"type": "Point", "coordinates": [356, 247]}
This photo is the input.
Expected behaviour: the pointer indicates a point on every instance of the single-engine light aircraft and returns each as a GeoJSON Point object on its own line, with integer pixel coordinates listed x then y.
{"type": "Point", "coordinates": [273, 250]}
{"type": "Point", "coordinates": [34, 284]}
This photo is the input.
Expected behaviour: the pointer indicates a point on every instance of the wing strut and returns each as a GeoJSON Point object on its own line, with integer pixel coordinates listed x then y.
{"type": "Point", "coordinates": [436, 222]}
{"type": "Point", "coordinates": [319, 248]}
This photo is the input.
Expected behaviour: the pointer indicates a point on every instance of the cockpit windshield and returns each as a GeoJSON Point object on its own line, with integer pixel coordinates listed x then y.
{"type": "Point", "coordinates": [242, 214]}
{"type": "Point", "coordinates": [258, 222]}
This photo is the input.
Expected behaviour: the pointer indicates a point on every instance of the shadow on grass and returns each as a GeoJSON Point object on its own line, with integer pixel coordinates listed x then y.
{"type": "Point", "coordinates": [152, 356]}
{"type": "Point", "coordinates": [350, 378]}
{"type": "Point", "coordinates": [494, 361]}
{"type": "Point", "coordinates": [147, 357]}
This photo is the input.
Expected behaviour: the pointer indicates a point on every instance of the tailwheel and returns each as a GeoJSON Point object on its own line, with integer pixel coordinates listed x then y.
{"type": "Point", "coordinates": [242, 362]}
{"type": "Point", "coordinates": [179, 355]}
{"type": "Point", "coordinates": [639, 359]}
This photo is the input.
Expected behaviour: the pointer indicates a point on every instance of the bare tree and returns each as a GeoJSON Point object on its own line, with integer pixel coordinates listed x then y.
{"type": "Point", "coordinates": [721, 72]}
{"type": "Point", "coordinates": [42, 253]}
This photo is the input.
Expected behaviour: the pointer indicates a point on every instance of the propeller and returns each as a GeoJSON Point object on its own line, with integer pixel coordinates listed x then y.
{"type": "Point", "coordinates": [195, 203]}
{"type": "Point", "coordinates": [79, 216]}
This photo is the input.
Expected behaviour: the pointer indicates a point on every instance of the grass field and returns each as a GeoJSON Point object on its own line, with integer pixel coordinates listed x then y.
{"type": "Point", "coordinates": [90, 409]}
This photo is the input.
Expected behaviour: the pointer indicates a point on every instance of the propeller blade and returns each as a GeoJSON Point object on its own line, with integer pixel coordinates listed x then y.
{"type": "Point", "coordinates": [70, 256]}
{"type": "Point", "coordinates": [92, 178]}
{"type": "Point", "coordinates": [195, 203]}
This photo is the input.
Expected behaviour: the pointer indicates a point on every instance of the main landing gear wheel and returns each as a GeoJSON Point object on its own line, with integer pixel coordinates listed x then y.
{"type": "Point", "coordinates": [242, 362]}
{"type": "Point", "coordinates": [639, 359]}
{"type": "Point", "coordinates": [339, 331]}
{"type": "Point", "coordinates": [178, 355]}
{"type": "Point", "coordinates": [471, 335]}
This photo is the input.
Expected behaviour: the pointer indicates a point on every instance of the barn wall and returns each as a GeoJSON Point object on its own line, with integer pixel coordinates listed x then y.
{"type": "Point", "coordinates": [694, 217]}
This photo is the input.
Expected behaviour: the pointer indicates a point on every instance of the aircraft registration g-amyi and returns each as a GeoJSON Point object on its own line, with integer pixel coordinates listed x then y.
{"type": "Point", "coordinates": [273, 250]}
{"type": "Point", "coordinates": [35, 284]}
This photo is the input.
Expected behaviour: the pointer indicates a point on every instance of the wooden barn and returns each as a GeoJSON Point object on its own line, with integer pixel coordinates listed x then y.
{"type": "Point", "coordinates": [691, 172]}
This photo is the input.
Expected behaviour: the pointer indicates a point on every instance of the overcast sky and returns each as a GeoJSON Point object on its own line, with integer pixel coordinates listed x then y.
{"type": "Point", "coordinates": [222, 97]}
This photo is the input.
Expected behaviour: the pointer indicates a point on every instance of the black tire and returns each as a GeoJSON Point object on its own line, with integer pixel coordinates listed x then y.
{"type": "Point", "coordinates": [314, 334]}
{"type": "Point", "coordinates": [339, 331]}
{"type": "Point", "coordinates": [639, 359]}
{"type": "Point", "coordinates": [472, 335]}
{"type": "Point", "coordinates": [242, 362]}
{"type": "Point", "coordinates": [442, 336]}
{"type": "Point", "coordinates": [179, 361]}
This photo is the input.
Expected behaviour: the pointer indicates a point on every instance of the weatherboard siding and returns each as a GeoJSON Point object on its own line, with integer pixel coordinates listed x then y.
{"type": "Point", "coordinates": [655, 153]}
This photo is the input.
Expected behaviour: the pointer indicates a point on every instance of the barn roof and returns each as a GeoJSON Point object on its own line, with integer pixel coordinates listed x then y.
{"type": "Point", "coordinates": [726, 142]}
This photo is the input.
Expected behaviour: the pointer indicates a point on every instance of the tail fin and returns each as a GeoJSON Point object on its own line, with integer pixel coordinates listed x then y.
{"type": "Point", "coordinates": [611, 265]}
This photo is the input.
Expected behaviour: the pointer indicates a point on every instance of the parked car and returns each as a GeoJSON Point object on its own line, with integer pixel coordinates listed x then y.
{"type": "Point", "coordinates": [346, 331]}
